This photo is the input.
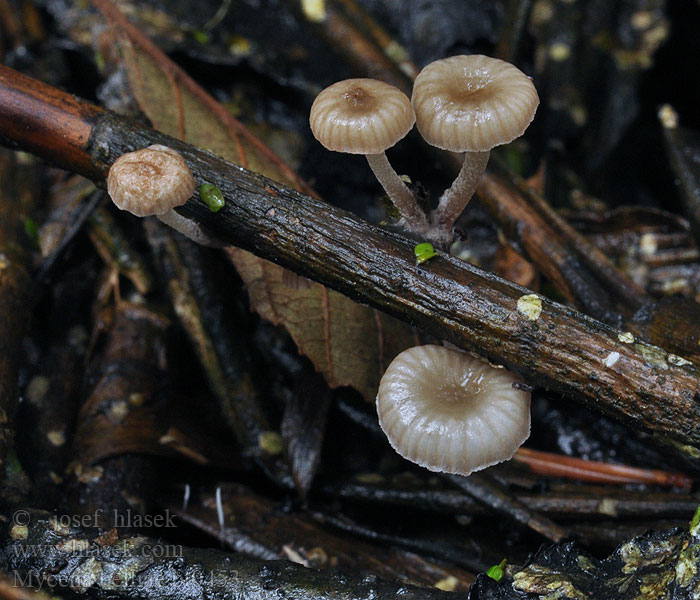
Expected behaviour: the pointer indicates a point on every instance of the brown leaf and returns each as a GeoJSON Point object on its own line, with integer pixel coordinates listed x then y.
{"type": "Point", "coordinates": [349, 343]}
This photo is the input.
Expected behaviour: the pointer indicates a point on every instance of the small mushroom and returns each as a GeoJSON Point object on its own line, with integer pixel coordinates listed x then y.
{"type": "Point", "coordinates": [470, 104]}
{"type": "Point", "coordinates": [153, 181]}
{"type": "Point", "coordinates": [366, 116]}
{"type": "Point", "coordinates": [451, 412]}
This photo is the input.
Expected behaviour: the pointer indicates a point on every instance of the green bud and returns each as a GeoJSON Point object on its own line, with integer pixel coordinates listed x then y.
{"type": "Point", "coordinates": [211, 196]}
{"type": "Point", "coordinates": [424, 252]}
{"type": "Point", "coordinates": [496, 571]}
{"type": "Point", "coordinates": [695, 521]}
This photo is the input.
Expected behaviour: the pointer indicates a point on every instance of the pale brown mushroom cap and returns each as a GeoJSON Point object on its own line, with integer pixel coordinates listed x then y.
{"type": "Point", "coordinates": [451, 412]}
{"type": "Point", "coordinates": [472, 103]}
{"type": "Point", "coordinates": [361, 116]}
{"type": "Point", "coordinates": [150, 181]}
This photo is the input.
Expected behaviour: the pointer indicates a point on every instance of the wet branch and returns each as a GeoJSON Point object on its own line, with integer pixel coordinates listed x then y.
{"type": "Point", "coordinates": [45, 552]}
{"type": "Point", "coordinates": [557, 348]}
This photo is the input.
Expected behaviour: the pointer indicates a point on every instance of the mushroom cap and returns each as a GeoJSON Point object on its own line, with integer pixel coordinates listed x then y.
{"type": "Point", "coordinates": [472, 103]}
{"type": "Point", "coordinates": [150, 181]}
{"type": "Point", "coordinates": [451, 412]}
{"type": "Point", "coordinates": [361, 116]}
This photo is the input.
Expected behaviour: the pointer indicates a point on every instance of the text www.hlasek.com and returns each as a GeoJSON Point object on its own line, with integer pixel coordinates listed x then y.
{"type": "Point", "coordinates": [87, 550]}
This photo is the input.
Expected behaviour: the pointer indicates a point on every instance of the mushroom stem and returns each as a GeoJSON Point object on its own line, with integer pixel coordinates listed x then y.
{"type": "Point", "coordinates": [455, 199]}
{"type": "Point", "coordinates": [189, 229]}
{"type": "Point", "coordinates": [402, 198]}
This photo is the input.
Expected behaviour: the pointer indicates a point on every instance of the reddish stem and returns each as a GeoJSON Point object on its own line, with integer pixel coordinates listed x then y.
{"type": "Point", "coordinates": [557, 465]}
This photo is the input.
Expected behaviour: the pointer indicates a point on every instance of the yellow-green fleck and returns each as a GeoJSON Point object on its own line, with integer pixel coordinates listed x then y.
{"type": "Point", "coordinates": [653, 356]}
{"type": "Point", "coordinates": [14, 467]}
{"type": "Point", "coordinates": [585, 564]}
{"type": "Point", "coordinates": [559, 52]}
{"type": "Point", "coordinates": [694, 522]}
{"type": "Point", "coordinates": [271, 442]}
{"type": "Point", "coordinates": [200, 37]}
{"type": "Point", "coordinates": [56, 437]}
{"type": "Point", "coordinates": [118, 411]}
{"type": "Point", "coordinates": [514, 158]}
{"type": "Point", "coordinates": [369, 478]}
{"type": "Point", "coordinates": [547, 583]}
{"type": "Point", "coordinates": [37, 388]}
{"type": "Point", "coordinates": [495, 572]}
{"type": "Point", "coordinates": [99, 61]}
{"type": "Point", "coordinates": [608, 506]}
{"type": "Point", "coordinates": [32, 231]}
{"type": "Point", "coordinates": [626, 337]}
{"type": "Point", "coordinates": [314, 10]}
{"type": "Point", "coordinates": [239, 45]}
{"type": "Point", "coordinates": [396, 52]}
{"type": "Point", "coordinates": [19, 532]}
{"type": "Point", "coordinates": [668, 116]}
{"type": "Point", "coordinates": [679, 361]}
{"type": "Point", "coordinates": [530, 306]}
{"type": "Point", "coordinates": [447, 584]}
{"type": "Point", "coordinates": [211, 196]}
{"type": "Point", "coordinates": [691, 451]}
{"type": "Point", "coordinates": [424, 252]}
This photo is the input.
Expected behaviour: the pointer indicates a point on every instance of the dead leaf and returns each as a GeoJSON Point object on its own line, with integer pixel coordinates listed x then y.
{"type": "Point", "coordinates": [349, 343]}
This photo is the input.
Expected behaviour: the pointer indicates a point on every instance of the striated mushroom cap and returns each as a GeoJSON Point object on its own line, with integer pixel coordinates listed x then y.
{"type": "Point", "coordinates": [361, 116]}
{"type": "Point", "coordinates": [450, 412]}
{"type": "Point", "coordinates": [150, 181]}
{"type": "Point", "coordinates": [472, 103]}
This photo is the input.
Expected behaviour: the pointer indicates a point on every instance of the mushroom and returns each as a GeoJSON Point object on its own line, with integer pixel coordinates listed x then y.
{"type": "Point", "coordinates": [470, 104]}
{"type": "Point", "coordinates": [451, 412]}
{"type": "Point", "coordinates": [366, 116]}
{"type": "Point", "coordinates": [152, 181]}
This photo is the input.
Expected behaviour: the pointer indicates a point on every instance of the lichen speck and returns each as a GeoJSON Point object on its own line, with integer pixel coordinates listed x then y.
{"type": "Point", "coordinates": [530, 306]}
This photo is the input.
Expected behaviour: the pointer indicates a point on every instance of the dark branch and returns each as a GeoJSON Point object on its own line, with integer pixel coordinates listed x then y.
{"type": "Point", "coordinates": [561, 350]}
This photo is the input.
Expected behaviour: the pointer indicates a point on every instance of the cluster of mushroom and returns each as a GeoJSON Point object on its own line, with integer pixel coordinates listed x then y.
{"type": "Point", "coordinates": [440, 408]}
{"type": "Point", "coordinates": [466, 104]}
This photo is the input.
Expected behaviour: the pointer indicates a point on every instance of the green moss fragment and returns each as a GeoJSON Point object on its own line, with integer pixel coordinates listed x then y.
{"type": "Point", "coordinates": [694, 522]}
{"type": "Point", "coordinates": [211, 196]}
{"type": "Point", "coordinates": [201, 37]}
{"type": "Point", "coordinates": [32, 231]}
{"type": "Point", "coordinates": [495, 572]}
{"type": "Point", "coordinates": [424, 252]}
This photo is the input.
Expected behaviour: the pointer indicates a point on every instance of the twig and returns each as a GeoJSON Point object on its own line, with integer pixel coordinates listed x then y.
{"type": "Point", "coordinates": [489, 492]}
{"type": "Point", "coordinates": [569, 501]}
{"type": "Point", "coordinates": [555, 465]}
